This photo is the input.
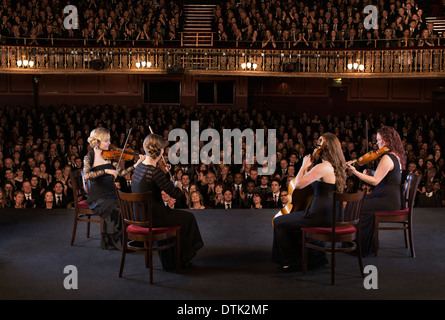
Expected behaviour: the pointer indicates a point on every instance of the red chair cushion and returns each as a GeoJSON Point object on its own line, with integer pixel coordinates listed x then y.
{"type": "Point", "coordinates": [142, 230]}
{"type": "Point", "coordinates": [393, 213]}
{"type": "Point", "coordinates": [326, 231]}
{"type": "Point", "coordinates": [83, 204]}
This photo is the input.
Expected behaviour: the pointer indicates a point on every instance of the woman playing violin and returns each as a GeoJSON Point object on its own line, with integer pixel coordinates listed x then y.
{"type": "Point", "coordinates": [327, 177]}
{"type": "Point", "coordinates": [149, 177]}
{"type": "Point", "coordinates": [102, 199]}
{"type": "Point", "coordinates": [386, 183]}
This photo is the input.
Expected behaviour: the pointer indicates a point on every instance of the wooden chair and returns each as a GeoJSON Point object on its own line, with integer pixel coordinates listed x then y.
{"type": "Point", "coordinates": [404, 217]}
{"type": "Point", "coordinates": [136, 210]}
{"type": "Point", "coordinates": [347, 209]}
{"type": "Point", "coordinates": [82, 212]}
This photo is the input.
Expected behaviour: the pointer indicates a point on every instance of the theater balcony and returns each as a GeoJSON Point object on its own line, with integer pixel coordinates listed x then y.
{"type": "Point", "coordinates": [236, 60]}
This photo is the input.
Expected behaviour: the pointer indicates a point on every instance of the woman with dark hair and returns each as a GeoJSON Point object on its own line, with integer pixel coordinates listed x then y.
{"type": "Point", "coordinates": [148, 177]}
{"type": "Point", "coordinates": [386, 182]}
{"type": "Point", "coordinates": [327, 177]}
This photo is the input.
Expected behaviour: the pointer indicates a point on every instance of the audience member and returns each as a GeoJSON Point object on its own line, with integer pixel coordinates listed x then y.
{"type": "Point", "coordinates": [40, 160]}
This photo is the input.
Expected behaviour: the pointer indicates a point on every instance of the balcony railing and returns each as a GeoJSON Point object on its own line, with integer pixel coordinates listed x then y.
{"type": "Point", "coordinates": [395, 62]}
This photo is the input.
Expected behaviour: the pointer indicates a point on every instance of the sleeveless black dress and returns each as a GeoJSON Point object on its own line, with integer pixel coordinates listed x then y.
{"type": "Point", "coordinates": [286, 248]}
{"type": "Point", "coordinates": [386, 196]}
{"type": "Point", "coordinates": [149, 178]}
{"type": "Point", "coordinates": [103, 201]}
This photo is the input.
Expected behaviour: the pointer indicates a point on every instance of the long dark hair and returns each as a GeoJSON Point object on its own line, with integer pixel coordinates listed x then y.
{"type": "Point", "coordinates": [334, 154]}
{"type": "Point", "coordinates": [392, 140]}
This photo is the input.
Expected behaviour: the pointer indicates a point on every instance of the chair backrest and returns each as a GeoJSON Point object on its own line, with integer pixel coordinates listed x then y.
{"type": "Point", "coordinates": [136, 208]}
{"type": "Point", "coordinates": [78, 185]}
{"type": "Point", "coordinates": [347, 208]}
{"type": "Point", "coordinates": [411, 185]}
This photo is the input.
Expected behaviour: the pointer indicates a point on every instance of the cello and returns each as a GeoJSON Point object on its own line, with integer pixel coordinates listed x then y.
{"type": "Point", "coordinates": [300, 199]}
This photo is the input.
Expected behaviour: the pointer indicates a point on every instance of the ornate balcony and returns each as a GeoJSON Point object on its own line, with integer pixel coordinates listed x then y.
{"type": "Point", "coordinates": [327, 63]}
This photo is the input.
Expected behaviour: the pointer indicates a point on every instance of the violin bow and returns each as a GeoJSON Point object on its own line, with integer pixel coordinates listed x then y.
{"type": "Point", "coordinates": [123, 149]}
{"type": "Point", "coordinates": [162, 156]}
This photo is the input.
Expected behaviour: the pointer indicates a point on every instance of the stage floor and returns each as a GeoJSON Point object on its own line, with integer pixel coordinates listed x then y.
{"type": "Point", "coordinates": [233, 265]}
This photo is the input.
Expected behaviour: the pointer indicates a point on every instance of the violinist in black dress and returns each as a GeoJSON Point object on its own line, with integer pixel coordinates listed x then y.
{"type": "Point", "coordinates": [148, 177]}
{"type": "Point", "coordinates": [102, 198]}
{"type": "Point", "coordinates": [327, 177]}
{"type": "Point", "coordinates": [386, 182]}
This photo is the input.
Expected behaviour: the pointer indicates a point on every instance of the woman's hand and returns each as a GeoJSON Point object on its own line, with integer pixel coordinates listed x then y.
{"type": "Point", "coordinates": [307, 162]}
{"type": "Point", "coordinates": [114, 173]}
{"type": "Point", "coordinates": [351, 168]}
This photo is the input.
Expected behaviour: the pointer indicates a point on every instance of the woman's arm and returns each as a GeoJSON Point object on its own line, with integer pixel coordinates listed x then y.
{"type": "Point", "coordinates": [165, 184]}
{"type": "Point", "coordinates": [321, 170]}
{"type": "Point", "coordinates": [385, 165]}
{"type": "Point", "coordinates": [87, 166]}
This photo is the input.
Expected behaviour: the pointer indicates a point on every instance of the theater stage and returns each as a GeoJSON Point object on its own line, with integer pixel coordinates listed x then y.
{"type": "Point", "coordinates": [233, 265]}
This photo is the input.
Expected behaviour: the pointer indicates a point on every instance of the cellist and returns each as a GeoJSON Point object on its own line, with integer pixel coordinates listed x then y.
{"type": "Point", "coordinates": [327, 177]}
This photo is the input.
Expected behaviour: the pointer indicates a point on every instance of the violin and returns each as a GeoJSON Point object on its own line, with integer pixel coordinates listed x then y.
{"type": "Point", "coordinates": [369, 157]}
{"type": "Point", "coordinates": [114, 153]}
{"type": "Point", "coordinates": [300, 199]}
{"type": "Point", "coordinates": [163, 164]}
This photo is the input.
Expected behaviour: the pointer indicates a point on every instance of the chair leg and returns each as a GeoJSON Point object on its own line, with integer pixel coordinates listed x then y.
{"type": "Point", "coordinates": [376, 235]}
{"type": "Point", "coordinates": [88, 229]}
{"type": "Point", "coordinates": [359, 255]}
{"type": "Point", "coordinates": [411, 241]}
{"type": "Point", "coordinates": [303, 253]}
{"type": "Point", "coordinates": [407, 241]}
{"type": "Point", "coordinates": [124, 251]}
{"type": "Point", "coordinates": [74, 229]}
{"type": "Point", "coordinates": [333, 263]}
{"type": "Point", "coordinates": [150, 258]}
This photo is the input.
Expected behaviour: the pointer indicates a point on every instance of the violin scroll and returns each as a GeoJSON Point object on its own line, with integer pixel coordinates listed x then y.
{"type": "Point", "coordinates": [321, 144]}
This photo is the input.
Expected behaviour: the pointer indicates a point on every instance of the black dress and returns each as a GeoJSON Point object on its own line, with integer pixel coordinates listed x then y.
{"type": "Point", "coordinates": [103, 201]}
{"type": "Point", "coordinates": [386, 196]}
{"type": "Point", "coordinates": [286, 249]}
{"type": "Point", "coordinates": [149, 178]}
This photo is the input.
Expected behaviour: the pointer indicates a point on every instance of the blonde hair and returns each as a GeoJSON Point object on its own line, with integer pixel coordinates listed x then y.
{"type": "Point", "coordinates": [153, 144]}
{"type": "Point", "coordinates": [98, 135]}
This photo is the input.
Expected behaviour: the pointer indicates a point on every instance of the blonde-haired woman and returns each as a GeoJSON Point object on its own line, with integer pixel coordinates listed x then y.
{"type": "Point", "coordinates": [327, 177]}
{"type": "Point", "coordinates": [102, 199]}
{"type": "Point", "coordinates": [196, 200]}
{"type": "Point", "coordinates": [148, 177]}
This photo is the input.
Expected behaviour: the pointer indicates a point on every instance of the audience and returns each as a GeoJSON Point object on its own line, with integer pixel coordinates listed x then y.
{"type": "Point", "coordinates": [251, 23]}
{"type": "Point", "coordinates": [322, 24]}
{"type": "Point", "coordinates": [100, 22]}
{"type": "Point", "coordinates": [39, 158]}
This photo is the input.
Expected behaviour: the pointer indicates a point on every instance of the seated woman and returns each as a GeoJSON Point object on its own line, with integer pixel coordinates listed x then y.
{"type": "Point", "coordinates": [196, 200]}
{"type": "Point", "coordinates": [256, 201]}
{"type": "Point", "coordinates": [102, 198]}
{"type": "Point", "coordinates": [327, 177]}
{"type": "Point", "coordinates": [48, 200]}
{"type": "Point", "coordinates": [386, 182]}
{"type": "Point", "coordinates": [147, 177]}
